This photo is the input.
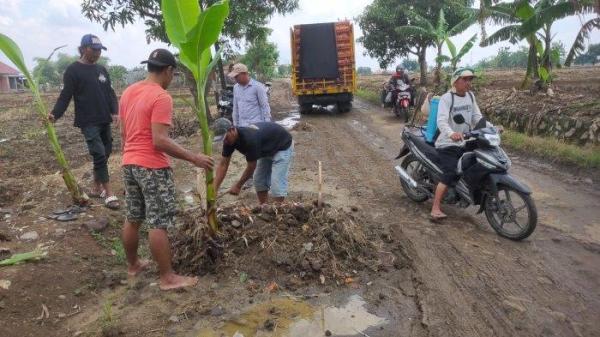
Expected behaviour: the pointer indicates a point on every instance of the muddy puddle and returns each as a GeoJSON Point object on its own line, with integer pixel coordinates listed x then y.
{"type": "Point", "coordinates": [290, 317]}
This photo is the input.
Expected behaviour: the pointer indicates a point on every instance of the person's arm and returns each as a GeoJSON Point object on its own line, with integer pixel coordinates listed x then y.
{"type": "Point", "coordinates": [247, 174]}
{"type": "Point", "coordinates": [221, 172]}
{"type": "Point", "coordinates": [235, 114]}
{"type": "Point", "coordinates": [62, 103]}
{"type": "Point", "coordinates": [263, 103]}
{"type": "Point", "coordinates": [162, 142]}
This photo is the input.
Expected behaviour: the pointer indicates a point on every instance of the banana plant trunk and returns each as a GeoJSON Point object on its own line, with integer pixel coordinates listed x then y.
{"type": "Point", "coordinates": [438, 65]}
{"type": "Point", "coordinates": [79, 197]}
{"type": "Point", "coordinates": [423, 64]}
{"type": "Point", "coordinates": [532, 66]}
{"type": "Point", "coordinates": [211, 198]}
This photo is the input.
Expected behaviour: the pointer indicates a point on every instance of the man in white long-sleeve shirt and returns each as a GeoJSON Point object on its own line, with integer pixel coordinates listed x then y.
{"type": "Point", "coordinates": [250, 101]}
{"type": "Point", "coordinates": [458, 113]}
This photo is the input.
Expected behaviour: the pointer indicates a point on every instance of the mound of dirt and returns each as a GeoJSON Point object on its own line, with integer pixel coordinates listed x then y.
{"type": "Point", "coordinates": [303, 126]}
{"type": "Point", "coordinates": [298, 239]}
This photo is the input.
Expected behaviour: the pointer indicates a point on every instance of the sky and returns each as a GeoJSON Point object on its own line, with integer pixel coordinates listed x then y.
{"type": "Point", "coordinates": [38, 26]}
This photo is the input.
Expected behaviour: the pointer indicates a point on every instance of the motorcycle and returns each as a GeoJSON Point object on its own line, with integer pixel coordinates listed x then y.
{"type": "Point", "coordinates": [484, 180]}
{"type": "Point", "coordinates": [401, 106]}
{"type": "Point", "coordinates": [225, 104]}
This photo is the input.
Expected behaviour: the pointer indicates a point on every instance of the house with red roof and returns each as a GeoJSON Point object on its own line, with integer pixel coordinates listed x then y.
{"type": "Point", "coordinates": [10, 78]}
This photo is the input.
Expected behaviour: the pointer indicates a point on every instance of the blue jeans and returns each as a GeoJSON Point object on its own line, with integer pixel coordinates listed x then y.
{"type": "Point", "coordinates": [271, 173]}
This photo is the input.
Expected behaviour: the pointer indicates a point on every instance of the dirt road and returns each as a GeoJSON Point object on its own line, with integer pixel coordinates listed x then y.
{"type": "Point", "coordinates": [457, 278]}
{"type": "Point", "coordinates": [469, 281]}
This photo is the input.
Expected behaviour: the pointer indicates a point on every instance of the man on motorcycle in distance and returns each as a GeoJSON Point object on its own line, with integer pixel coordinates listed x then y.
{"type": "Point", "coordinates": [450, 143]}
{"type": "Point", "coordinates": [402, 75]}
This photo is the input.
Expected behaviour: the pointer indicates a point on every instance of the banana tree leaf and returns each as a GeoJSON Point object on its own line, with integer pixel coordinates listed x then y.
{"type": "Point", "coordinates": [466, 47]}
{"type": "Point", "coordinates": [14, 54]}
{"type": "Point", "coordinates": [180, 17]}
{"type": "Point", "coordinates": [524, 10]}
{"type": "Point", "coordinates": [451, 47]}
{"type": "Point", "coordinates": [207, 29]}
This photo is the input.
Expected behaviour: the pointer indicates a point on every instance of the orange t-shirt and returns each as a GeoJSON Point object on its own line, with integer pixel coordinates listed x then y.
{"type": "Point", "coordinates": [142, 104]}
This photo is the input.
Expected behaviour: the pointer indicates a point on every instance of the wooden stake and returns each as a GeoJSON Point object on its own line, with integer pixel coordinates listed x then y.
{"type": "Point", "coordinates": [320, 197]}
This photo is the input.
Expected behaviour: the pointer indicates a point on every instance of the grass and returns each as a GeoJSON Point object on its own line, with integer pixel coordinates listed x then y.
{"type": "Point", "coordinates": [114, 244]}
{"type": "Point", "coordinates": [552, 149]}
{"type": "Point", "coordinates": [368, 95]}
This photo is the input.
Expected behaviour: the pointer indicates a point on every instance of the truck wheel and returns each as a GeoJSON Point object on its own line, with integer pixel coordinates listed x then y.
{"type": "Point", "coordinates": [344, 106]}
{"type": "Point", "coordinates": [305, 109]}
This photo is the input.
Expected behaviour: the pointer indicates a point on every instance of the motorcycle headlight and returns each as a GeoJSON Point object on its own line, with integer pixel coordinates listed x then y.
{"type": "Point", "coordinates": [493, 139]}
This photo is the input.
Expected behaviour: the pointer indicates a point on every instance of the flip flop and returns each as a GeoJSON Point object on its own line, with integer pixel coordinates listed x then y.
{"type": "Point", "coordinates": [77, 209]}
{"type": "Point", "coordinates": [66, 217]}
{"type": "Point", "coordinates": [112, 202]}
{"type": "Point", "coordinates": [437, 217]}
{"type": "Point", "coordinates": [95, 194]}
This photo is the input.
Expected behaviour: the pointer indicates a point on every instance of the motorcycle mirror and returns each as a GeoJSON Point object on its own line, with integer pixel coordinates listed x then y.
{"type": "Point", "coordinates": [481, 124]}
{"type": "Point", "coordinates": [458, 119]}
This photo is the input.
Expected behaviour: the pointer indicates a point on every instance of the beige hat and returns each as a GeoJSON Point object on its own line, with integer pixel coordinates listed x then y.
{"type": "Point", "coordinates": [238, 68]}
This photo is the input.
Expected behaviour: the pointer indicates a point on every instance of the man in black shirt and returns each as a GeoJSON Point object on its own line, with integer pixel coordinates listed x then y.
{"type": "Point", "coordinates": [268, 149]}
{"type": "Point", "coordinates": [95, 108]}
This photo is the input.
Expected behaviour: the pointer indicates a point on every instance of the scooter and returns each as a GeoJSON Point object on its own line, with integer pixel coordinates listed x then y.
{"type": "Point", "coordinates": [225, 104]}
{"type": "Point", "coordinates": [401, 106]}
{"type": "Point", "coordinates": [484, 180]}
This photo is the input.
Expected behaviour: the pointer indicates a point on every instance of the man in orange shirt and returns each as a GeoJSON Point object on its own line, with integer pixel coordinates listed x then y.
{"type": "Point", "coordinates": [146, 110]}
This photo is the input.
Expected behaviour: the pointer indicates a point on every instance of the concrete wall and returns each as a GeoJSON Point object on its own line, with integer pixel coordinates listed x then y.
{"type": "Point", "coordinates": [4, 86]}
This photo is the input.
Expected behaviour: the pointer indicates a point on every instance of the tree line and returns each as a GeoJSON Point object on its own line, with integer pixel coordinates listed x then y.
{"type": "Point", "coordinates": [401, 28]}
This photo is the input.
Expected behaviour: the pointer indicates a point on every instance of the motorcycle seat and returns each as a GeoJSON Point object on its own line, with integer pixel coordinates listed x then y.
{"type": "Point", "coordinates": [424, 147]}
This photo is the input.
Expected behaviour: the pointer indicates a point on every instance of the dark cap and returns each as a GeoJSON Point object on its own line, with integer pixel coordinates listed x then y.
{"type": "Point", "coordinates": [220, 128]}
{"type": "Point", "coordinates": [92, 41]}
{"type": "Point", "coordinates": [161, 58]}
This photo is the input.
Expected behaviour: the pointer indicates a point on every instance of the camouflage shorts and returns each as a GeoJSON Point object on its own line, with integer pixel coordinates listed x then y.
{"type": "Point", "coordinates": [150, 196]}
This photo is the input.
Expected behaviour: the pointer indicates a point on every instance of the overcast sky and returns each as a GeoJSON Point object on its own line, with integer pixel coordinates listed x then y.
{"type": "Point", "coordinates": [38, 26]}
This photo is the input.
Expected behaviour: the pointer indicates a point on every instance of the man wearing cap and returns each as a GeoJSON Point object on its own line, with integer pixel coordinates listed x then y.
{"type": "Point", "coordinates": [250, 102]}
{"type": "Point", "coordinates": [458, 113]}
{"type": "Point", "coordinates": [146, 110]}
{"type": "Point", "coordinates": [88, 83]}
{"type": "Point", "coordinates": [268, 148]}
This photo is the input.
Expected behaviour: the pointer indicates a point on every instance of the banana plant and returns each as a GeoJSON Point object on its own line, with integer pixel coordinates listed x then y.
{"type": "Point", "coordinates": [456, 56]}
{"type": "Point", "coordinates": [14, 54]}
{"type": "Point", "coordinates": [193, 31]}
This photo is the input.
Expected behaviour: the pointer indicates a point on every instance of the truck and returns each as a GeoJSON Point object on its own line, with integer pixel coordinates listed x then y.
{"type": "Point", "coordinates": [323, 65]}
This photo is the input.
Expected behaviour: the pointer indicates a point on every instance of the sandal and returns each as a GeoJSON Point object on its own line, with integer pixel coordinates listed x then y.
{"type": "Point", "coordinates": [437, 217]}
{"type": "Point", "coordinates": [95, 194]}
{"type": "Point", "coordinates": [112, 202]}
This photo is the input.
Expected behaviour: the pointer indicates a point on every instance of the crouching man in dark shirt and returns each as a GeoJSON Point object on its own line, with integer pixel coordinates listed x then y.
{"type": "Point", "coordinates": [96, 107]}
{"type": "Point", "coordinates": [268, 149]}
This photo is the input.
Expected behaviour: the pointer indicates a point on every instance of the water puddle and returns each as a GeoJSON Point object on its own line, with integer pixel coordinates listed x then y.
{"type": "Point", "coordinates": [290, 121]}
{"type": "Point", "coordinates": [286, 317]}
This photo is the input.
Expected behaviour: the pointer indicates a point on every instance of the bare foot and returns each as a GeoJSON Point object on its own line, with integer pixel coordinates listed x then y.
{"type": "Point", "coordinates": [174, 281]}
{"type": "Point", "coordinates": [138, 267]}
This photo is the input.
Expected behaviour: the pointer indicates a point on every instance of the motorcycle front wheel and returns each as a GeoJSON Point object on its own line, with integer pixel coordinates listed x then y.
{"type": "Point", "coordinates": [512, 214]}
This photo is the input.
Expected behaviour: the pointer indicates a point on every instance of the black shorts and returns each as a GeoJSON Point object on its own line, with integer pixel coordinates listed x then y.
{"type": "Point", "coordinates": [449, 157]}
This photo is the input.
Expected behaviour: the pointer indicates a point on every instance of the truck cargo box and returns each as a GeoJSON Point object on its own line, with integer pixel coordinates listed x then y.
{"type": "Point", "coordinates": [323, 64]}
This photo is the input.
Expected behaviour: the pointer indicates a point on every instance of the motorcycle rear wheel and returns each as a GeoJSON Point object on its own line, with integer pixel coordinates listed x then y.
{"type": "Point", "coordinates": [415, 169]}
{"type": "Point", "coordinates": [503, 212]}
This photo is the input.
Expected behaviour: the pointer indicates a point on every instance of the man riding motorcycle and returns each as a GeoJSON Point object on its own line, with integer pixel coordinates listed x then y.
{"type": "Point", "coordinates": [390, 85]}
{"type": "Point", "coordinates": [458, 113]}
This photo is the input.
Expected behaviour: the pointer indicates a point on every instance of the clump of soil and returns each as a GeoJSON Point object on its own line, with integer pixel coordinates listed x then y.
{"type": "Point", "coordinates": [298, 239]}
{"type": "Point", "coordinates": [303, 126]}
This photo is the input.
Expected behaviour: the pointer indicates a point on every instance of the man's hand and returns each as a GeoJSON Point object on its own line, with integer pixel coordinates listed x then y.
{"type": "Point", "coordinates": [456, 136]}
{"type": "Point", "coordinates": [51, 117]}
{"type": "Point", "coordinates": [500, 128]}
{"type": "Point", "coordinates": [235, 189]}
{"type": "Point", "coordinates": [203, 161]}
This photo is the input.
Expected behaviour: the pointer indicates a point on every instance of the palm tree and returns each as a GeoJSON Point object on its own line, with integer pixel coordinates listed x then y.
{"type": "Point", "coordinates": [437, 32]}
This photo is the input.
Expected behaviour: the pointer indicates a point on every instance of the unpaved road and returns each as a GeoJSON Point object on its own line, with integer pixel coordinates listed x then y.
{"type": "Point", "coordinates": [469, 281]}
{"type": "Point", "coordinates": [457, 278]}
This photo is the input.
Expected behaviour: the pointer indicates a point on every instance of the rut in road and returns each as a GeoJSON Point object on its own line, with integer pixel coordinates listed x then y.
{"type": "Point", "coordinates": [468, 281]}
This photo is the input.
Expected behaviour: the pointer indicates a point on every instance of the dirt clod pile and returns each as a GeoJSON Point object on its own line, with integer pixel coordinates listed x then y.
{"type": "Point", "coordinates": [298, 239]}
